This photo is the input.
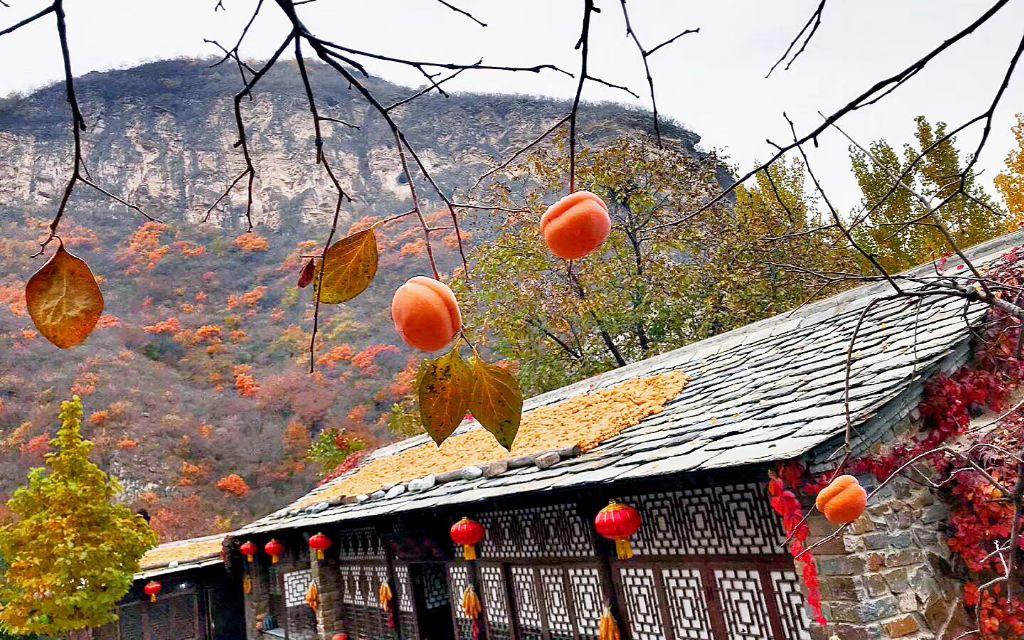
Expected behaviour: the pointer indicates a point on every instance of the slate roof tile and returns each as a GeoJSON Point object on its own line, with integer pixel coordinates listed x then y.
{"type": "Point", "coordinates": [770, 391]}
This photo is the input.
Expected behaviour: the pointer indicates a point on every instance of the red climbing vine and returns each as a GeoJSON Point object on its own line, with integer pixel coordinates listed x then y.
{"type": "Point", "coordinates": [785, 503]}
{"type": "Point", "coordinates": [978, 474]}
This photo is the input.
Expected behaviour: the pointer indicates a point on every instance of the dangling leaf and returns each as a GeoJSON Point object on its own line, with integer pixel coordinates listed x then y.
{"type": "Point", "coordinates": [495, 400]}
{"type": "Point", "coordinates": [308, 271]}
{"type": "Point", "coordinates": [443, 394]}
{"type": "Point", "coordinates": [349, 267]}
{"type": "Point", "coordinates": [64, 300]}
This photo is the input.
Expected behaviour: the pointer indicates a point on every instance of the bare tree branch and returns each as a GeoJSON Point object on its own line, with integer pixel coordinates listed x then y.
{"type": "Point", "coordinates": [812, 25]}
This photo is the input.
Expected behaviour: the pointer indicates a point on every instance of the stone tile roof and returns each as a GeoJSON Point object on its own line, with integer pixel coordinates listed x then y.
{"type": "Point", "coordinates": [181, 555]}
{"type": "Point", "coordinates": [770, 391]}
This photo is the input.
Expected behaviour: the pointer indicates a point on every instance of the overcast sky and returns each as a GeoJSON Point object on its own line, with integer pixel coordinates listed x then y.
{"type": "Point", "coordinates": [712, 82]}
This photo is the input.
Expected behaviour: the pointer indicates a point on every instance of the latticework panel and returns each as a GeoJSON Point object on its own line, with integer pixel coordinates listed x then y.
{"type": "Point", "coordinates": [171, 617]}
{"type": "Point", "coordinates": [361, 614]}
{"type": "Point", "coordinates": [495, 601]}
{"type": "Point", "coordinates": [184, 617]}
{"type": "Point", "coordinates": [434, 587]}
{"type": "Point", "coordinates": [743, 605]}
{"type": "Point", "coordinates": [790, 601]}
{"type": "Point", "coordinates": [131, 621]}
{"type": "Point", "coordinates": [730, 520]}
{"type": "Point", "coordinates": [159, 614]}
{"type": "Point", "coordinates": [301, 619]}
{"type": "Point", "coordinates": [296, 585]}
{"type": "Point", "coordinates": [587, 598]}
{"type": "Point", "coordinates": [641, 600]}
{"type": "Point", "coordinates": [405, 602]}
{"type": "Point", "coordinates": [360, 543]}
{"type": "Point", "coordinates": [458, 580]}
{"type": "Point", "coordinates": [551, 531]}
{"type": "Point", "coordinates": [528, 605]}
{"type": "Point", "coordinates": [558, 601]}
{"type": "Point", "coordinates": [684, 593]}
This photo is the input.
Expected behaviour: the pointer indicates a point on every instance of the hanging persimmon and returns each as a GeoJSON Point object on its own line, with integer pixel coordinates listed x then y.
{"type": "Point", "coordinates": [843, 500]}
{"type": "Point", "coordinates": [576, 225]}
{"type": "Point", "coordinates": [426, 314]}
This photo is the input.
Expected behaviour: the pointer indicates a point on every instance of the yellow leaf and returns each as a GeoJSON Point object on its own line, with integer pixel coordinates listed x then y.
{"type": "Point", "coordinates": [64, 300]}
{"type": "Point", "coordinates": [496, 401]}
{"type": "Point", "coordinates": [443, 394]}
{"type": "Point", "coordinates": [349, 267]}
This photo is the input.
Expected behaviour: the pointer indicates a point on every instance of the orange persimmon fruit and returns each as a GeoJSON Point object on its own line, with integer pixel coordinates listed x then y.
{"type": "Point", "coordinates": [426, 314]}
{"type": "Point", "coordinates": [576, 225]}
{"type": "Point", "coordinates": [843, 500]}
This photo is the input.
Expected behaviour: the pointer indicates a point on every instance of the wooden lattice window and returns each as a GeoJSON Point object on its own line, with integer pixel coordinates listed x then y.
{"type": "Point", "coordinates": [406, 602]}
{"type": "Point", "coordinates": [730, 520]}
{"type": "Point", "coordinates": [361, 614]}
{"type": "Point", "coordinates": [458, 580]}
{"type": "Point", "coordinates": [721, 599]}
{"type": "Point", "coordinates": [550, 531]}
{"type": "Point", "coordinates": [173, 616]}
{"type": "Point", "coordinates": [301, 620]}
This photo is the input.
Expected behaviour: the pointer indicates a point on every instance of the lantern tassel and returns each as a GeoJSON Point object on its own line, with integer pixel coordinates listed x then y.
{"type": "Point", "coordinates": [469, 552]}
{"type": "Point", "coordinates": [152, 597]}
{"type": "Point", "coordinates": [623, 549]}
{"type": "Point", "coordinates": [249, 557]}
{"type": "Point", "coordinates": [274, 559]}
{"type": "Point", "coordinates": [319, 554]}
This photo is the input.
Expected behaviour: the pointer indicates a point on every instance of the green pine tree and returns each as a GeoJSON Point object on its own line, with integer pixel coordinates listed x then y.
{"type": "Point", "coordinates": [71, 550]}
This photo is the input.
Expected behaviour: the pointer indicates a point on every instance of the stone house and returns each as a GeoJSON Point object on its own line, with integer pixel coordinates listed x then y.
{"type": "Point", "coordinates": [688, 438]}
{"type": "Point", "coordinates": [198, 600]}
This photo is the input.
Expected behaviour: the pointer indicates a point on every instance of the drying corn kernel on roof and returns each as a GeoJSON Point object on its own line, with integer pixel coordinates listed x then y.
{"type": "Point", "coordinates": [584, 421]}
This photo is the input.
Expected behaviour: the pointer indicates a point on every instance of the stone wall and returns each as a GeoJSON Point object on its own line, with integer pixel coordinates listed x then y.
{"type": "Point", "coordinates": [325, 573]}
{"type": "Point", "coordinates": [257, 602]}
{"type": "Point", "coordinates": [889, 575]}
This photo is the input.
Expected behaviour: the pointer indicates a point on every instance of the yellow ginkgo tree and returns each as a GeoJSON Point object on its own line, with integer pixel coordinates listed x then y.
{"type": "Point", "coordinates": [71, 551]}
{"type": "Point", "coordinates": [1011, 182]}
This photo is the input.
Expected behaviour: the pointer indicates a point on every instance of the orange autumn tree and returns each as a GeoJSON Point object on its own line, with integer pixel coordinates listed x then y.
{"type": "Point", "coordinates": [73, 576]}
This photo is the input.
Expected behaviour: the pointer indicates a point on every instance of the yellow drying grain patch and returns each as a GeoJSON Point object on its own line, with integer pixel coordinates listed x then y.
{"type": "Point", "coordinates": [181, 552]}
{"type": "Point", "coordinates": [586, 420]}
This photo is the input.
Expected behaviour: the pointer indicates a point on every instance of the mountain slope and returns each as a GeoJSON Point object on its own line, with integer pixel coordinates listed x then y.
{"type": "Point", "coordinates": [197, 371]}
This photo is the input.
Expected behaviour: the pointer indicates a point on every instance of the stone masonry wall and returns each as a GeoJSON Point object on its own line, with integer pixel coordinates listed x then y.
{"type": "Point", "coordinates": [889, 575]}
{"type": "Point", "coordinates": [325, 574]}
{"type": "Point", "coordinates": [257, 602]}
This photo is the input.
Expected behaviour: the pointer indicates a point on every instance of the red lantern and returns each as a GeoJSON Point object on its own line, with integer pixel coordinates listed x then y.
{"type": "Point", "coordinates": [319, 543]}
{"type": "Point", "coordinates": [274, 549]}
{"type": "Point", "coordinates": [340, 636]}
{"type": "Point", "coordinates": [618, 522]}
{"type": "Point", "coordinates": [248, 550]}
{"type": "Point", "coordinates": [468, 533]}
{"type": "Point", "coordinates": [151, 589]}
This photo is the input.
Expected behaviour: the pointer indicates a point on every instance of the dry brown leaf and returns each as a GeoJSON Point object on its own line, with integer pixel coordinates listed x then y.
{"type": "Point", "coordinates": [64, 300]}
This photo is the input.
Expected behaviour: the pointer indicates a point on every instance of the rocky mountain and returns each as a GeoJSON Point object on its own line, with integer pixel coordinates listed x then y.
{"type": "Point", "coordinates": [196, 374]}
